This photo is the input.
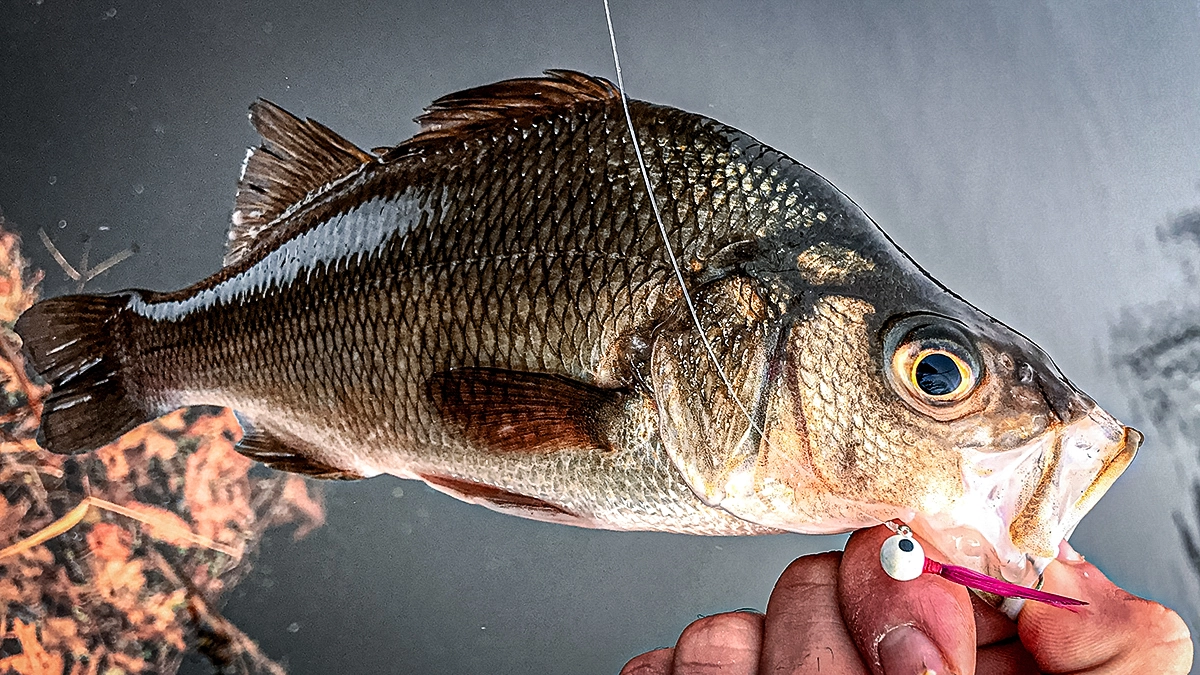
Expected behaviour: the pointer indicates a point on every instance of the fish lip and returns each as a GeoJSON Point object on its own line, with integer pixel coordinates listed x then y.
{"type": "Point", "coordinates": [1112, 469]}
{"type": "Point", "coordinates": [1019, 505]}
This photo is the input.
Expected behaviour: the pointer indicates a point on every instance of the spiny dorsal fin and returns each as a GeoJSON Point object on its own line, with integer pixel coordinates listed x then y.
{"type": "Point", "coordinates": [296, 158]}
{"type": "Point", "coordinates": [464, 113]}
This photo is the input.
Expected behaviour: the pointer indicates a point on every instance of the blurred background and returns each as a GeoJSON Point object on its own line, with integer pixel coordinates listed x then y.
{"type": "Point", "coordinates": [1041, 159]}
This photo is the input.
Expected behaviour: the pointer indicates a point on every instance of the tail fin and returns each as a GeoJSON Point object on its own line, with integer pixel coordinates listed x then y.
{"type": "Point", "coordinates": [72, 343]}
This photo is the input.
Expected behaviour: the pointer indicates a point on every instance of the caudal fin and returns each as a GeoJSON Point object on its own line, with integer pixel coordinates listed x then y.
{"type": "Point", "coordinates": [72, 343]}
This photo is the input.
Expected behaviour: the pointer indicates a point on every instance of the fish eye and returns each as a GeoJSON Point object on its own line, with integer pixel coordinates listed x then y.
{"type": "Point", "coordinates": [933, 365]}
{"type": "Point", "coordinates": [939, 374]}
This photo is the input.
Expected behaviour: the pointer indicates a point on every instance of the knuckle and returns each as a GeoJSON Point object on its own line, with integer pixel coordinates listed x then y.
{"type": "Point", "coordinates": [811, 570]}
{"type": "Point", "coordinates": [657, 662]}
{"type": "Point", "coordinates": [728, 630]}
{"type": "Point", "coordinates": [715, 643]}
{"type": "Point", "coordinates": [1174, 640]}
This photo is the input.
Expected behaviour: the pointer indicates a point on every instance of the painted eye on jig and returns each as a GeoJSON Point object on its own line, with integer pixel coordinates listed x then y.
{"type": "Point", "coordinates": [903, 559]}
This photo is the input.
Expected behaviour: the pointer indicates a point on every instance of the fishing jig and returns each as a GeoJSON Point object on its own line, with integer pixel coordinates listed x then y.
{"type": "Point", "coordinates": [903, 558]}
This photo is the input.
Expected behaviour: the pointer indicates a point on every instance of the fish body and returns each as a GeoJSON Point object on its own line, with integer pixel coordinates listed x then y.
{"type": "Point", "coordinates": [487, 307]}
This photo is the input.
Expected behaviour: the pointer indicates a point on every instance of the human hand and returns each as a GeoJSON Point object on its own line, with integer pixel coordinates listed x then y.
{"type": "Point", "coordinates": [839, 613]}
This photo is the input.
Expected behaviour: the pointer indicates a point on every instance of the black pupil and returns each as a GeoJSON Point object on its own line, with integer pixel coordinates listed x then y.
{"type": "Point", "coordinates": [938, 375]}
{"type": "Point", "coordinates": [905, 545]}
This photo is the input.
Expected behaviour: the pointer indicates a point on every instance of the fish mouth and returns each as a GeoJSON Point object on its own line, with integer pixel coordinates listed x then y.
{"type": "Point", "coordinates": [1112, 469]}
{"type": "Point", "coordinates": [1019, 505]}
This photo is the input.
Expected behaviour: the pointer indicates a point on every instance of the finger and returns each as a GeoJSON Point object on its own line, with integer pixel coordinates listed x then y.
{"type": "Point", "coordinates": [904, 627]}
{"type": "Point", "coordinates": [657, 662]}
{"type": "Point", "coordinates": [728, 644]}
{"type": "Point", "coordinates": [991, 625]}
{"type": "Point", "coordinates": [1114, 632]}
{"type": "Point", "coordinates": [804, 631]}
{"type": "Point", "coordinates": [1006, 658]}
{"type": "Point", "coordinates": [999, 650]}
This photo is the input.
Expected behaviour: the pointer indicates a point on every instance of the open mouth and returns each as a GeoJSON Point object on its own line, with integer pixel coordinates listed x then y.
{"type": "Point", "coordinates": [1020, 504]}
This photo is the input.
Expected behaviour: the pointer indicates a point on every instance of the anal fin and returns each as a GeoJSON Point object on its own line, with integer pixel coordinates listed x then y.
{"type": "Point", "coordinates": [500, 499]}
{"type": "Point", "coordinates": [286, 453]}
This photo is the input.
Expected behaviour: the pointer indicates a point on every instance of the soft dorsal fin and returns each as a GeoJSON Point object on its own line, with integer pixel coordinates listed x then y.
{"type": "Point", "coordinates": [296, 158]}
{"type": "Point", "coordinates": [466, 112]}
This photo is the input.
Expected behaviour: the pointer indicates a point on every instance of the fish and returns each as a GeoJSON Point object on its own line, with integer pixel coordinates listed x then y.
{"type": "Point", "coordinates": [485, 307]}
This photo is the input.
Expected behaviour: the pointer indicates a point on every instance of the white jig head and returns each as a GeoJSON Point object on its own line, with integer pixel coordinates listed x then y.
{"type": "Point", "coordinates": [902, 556]}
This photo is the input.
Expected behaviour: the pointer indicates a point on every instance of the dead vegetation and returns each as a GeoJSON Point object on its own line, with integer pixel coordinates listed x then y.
{"type": "Point", "coordinates": [113, 561]}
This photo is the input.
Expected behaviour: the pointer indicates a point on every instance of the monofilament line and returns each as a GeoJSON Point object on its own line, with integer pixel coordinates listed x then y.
{"type": "Point", "coordinates": [662, 229]}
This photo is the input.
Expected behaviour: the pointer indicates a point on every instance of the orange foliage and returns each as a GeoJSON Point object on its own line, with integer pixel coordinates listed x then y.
{"type": "Point", "coordinates": [221, 504]}
{"type": "Point", "coordinates": [109, 542]}
{"type": "Point", "coordinates": [33, 659]}
{"type": "Point", "coordinates": [18, 288]}
{"type": "Point", "coordinates": [308, 511]}
{"type": "Point", "coordinates": [138, 538]}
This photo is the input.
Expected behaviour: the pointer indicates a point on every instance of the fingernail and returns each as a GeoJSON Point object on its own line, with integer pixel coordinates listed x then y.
{"type": "Point", "coordinates": [1066, 552]}
{"type": "Point", "coordinates": [907, 651]}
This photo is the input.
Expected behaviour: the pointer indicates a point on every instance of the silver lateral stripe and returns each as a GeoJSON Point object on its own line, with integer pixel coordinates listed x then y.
{"type": "Point", "coordinates": [357, 232]}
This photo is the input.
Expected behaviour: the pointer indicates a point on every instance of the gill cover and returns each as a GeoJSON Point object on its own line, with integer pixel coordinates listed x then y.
{"type": "Point", "coordinates": [808, 385]}
{"type": "Point", "coordinates": [987, 451]}
{"type": "Point", "coordinates": [706, 430]}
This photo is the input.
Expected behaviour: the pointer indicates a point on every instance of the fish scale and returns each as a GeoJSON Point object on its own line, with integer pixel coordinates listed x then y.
{"type": "Point", "coordinates": [488, 307]}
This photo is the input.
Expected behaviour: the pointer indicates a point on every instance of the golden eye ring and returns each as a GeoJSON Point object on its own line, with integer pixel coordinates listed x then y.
{"type": "Point", "coordinates": [940, 375]}
{"type": "Point", "coordinates": [934, 366]}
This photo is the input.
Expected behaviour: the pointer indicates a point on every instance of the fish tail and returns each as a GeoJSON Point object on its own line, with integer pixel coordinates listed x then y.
{"type": "Point", "coordinates": [73, 343]}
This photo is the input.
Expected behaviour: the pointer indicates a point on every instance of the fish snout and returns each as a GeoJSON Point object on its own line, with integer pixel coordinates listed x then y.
{"type": "Point", "coordinates": [1023, 502]}
{"type": "Point", "coordinates": [1065, 401]}
{"type": "Point", "coordinates": [1085, 459]}
{"type": "Point", "coordinates": [1113, 467]}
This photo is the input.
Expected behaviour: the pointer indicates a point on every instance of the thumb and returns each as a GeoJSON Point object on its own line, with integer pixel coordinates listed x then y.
{"type": "Point", "coordinates": [903, 627]}
{"type": "Point", "coordinates": [1115, 632]}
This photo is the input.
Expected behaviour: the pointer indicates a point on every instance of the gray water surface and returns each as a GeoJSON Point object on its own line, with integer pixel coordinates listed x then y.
{"type": "Point", "coordinates": [1024, 153]}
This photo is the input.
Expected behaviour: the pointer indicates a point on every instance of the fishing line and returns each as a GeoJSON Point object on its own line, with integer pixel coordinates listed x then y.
{"type": "Point", "coordinates": [662, 230]}
{"type": "Point", "coordinates": [973, 579]}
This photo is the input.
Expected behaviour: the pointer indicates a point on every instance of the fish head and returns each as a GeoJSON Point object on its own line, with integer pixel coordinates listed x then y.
{"type": "Point", "coordinates": [881, 395]}
{"type": "Point", "coordinates": [1019, 454]}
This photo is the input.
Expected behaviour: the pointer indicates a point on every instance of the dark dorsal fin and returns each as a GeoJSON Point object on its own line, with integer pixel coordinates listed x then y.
{"type": "Point", "coordinates": [509, 411]}
{"type": "Point", "coordinates": [464, 113]}
{"type": "Point", "coordinates": [296, 158]}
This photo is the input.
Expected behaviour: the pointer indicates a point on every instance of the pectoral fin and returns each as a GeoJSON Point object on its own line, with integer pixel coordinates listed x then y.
{"type": "Point", "coordinates": [509, 411]}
